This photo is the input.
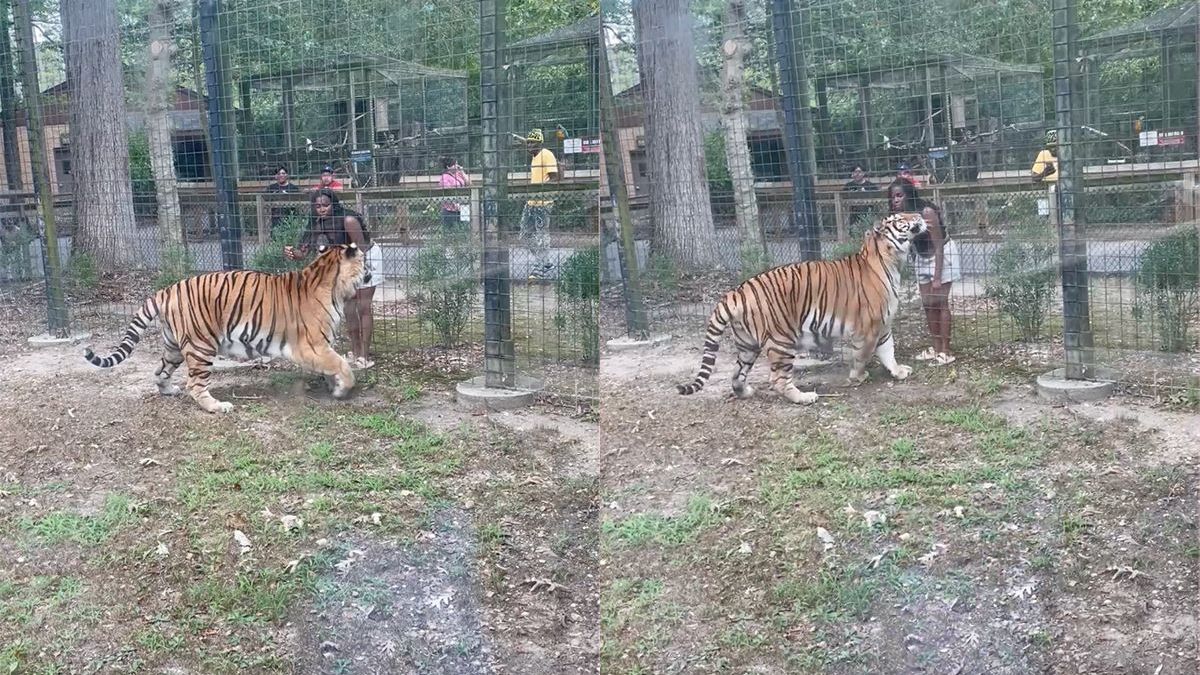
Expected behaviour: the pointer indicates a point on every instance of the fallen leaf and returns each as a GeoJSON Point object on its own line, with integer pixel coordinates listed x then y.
{"type": "Point", "coordinates": [242, 540]}
{"type": "Point", "coordinates": [874, 518]}
{"type": "Point", "coordinates": [825, 537]}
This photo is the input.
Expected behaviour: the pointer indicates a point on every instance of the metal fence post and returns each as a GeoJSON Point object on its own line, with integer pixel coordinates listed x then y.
{"type": "Point", "coordinates": [220, 138]}
{"type": "Point", "coordinates": [797, 131]}
{"type": "Point", "coordinates": [1077, 329]}
{"type": "Point", "coordinates": [498, 353]}
{"type": "Point", "coordinates": [635, 308]}
{"type": "Point", "coordinates": [58, 324]}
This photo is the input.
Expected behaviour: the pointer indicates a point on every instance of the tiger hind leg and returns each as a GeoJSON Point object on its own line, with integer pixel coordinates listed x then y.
{"type": "Point", "coordinates": [199, 371]}
{"type": "Point", "coordinates": [746, 358]}
{"type": "Point", "coordinates": [863, 348]}
{"type": "Point", "coordinates": [171, 360]}
{"type": "Point", "coordinates": [333, 366]}
{"type": "Point", "coordinates": [782, 361]}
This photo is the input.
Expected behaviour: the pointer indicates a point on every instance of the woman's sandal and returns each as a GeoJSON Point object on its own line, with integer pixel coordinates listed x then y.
{"type": "Point", "coordinates": [927, 355]}
{"type": "Point", "coordinates": [944, 359]}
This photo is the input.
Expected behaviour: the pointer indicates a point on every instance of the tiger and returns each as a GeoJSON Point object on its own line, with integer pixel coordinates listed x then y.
{"type": "Point", "coordinates": [248, 314]}
{"type": "Point", "coordinates": [804, 305]}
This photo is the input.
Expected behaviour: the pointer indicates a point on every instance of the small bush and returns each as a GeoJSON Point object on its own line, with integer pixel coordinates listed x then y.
{"type": "Point", "coordinates": [81, 271]}
{"type": "Point", "coordinates": [270, 258]}
{"type": "Point", "coordinates": [1167, 289]}
{"type": "Point", "coordinates": [579, 300]}
{"type": "Point", "coordinates": [445, 285]}
{"type": "Point", "coordinates": [177, 265]}
{"type": "Point", "coordinates": [1024, 275]}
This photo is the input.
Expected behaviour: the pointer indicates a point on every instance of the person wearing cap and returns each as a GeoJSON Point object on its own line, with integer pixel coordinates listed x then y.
{"type": "Point", "coordinates": [535, 219]}
{"type": "Point", "coordinates": [904, 173]}
{"type": "Point", "coordinates": [328, 180]}
{"type": "Point", "coordinates": [1045, 165]}
{"type": "Point", "coordinates": [1045, 171]}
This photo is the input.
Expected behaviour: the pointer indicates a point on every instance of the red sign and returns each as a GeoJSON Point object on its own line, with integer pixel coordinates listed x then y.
{"type": "Point", "coordinates": [1175, 137]}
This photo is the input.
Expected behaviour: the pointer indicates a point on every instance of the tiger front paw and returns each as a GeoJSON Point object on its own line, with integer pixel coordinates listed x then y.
{"type": "Point", "coordinates": [902, 372]}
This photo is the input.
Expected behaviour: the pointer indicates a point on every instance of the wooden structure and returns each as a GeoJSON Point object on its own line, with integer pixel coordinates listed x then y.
{"type": "Point", "coordinates": [384, 118]}
{"type": "Point", "coordinates": [1161, 124]}
{"type": "Point", "coordinates": [950, 114]}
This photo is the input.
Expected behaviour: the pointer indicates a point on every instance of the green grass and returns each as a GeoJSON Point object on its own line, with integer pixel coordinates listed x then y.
{"type": "Point", "coordinates": [62, 527]}
{"type": "Point", "coordinates": [701, 513]}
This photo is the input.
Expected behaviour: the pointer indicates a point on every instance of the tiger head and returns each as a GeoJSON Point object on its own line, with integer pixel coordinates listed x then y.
{"type": "Point", "coordinates": [899, 230]}
{"type": "Point", "coordinates": [346, 265]}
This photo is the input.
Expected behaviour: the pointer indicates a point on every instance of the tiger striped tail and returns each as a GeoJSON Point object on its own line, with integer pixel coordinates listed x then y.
{"type": "Point", "coordinates": [718, 321]}
{"type": "Point", "coordinates": [133, 335]}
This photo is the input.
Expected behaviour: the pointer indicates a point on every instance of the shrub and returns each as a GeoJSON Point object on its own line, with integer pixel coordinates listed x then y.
{"type": "Point", "coordinates": [1167, 291]}
{"type": "Point", "coordinates": [579, 300]}
{"type": "Point", "coordinates": [445, 285]}
{"type": "Point", "coordinates": [270, 258]}
{"type": "Point", "coordinates": [177, 265]}
{"type": "Point", "coordinates": [1024, 276]}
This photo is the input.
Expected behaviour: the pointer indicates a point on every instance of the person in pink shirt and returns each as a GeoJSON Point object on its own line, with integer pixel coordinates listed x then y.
{"type": "Point", "coordinates": [453, 176]}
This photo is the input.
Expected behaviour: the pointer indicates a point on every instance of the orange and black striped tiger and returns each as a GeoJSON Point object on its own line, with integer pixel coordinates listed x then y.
{"type": "Point", "coordinates": [804, 305]}
{"type": "Point", "coordinates": [245, 314]}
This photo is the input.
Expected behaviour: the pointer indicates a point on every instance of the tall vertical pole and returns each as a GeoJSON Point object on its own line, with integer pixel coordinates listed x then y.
{"type": "Point", "coordinates": [220, 137]}
{"type": "Point", "coordinates": [8, 101]}
{"type": "Point", "coordinates": [614, 169]}
{"type": "Point", "coordinates": [498, 354]}
{"type": "Point", "coordinates": [56, 302]}
{"type": "Point", "coordinates": [1077, 329]}
{"type": "Point", "coordinates": [797, 133]}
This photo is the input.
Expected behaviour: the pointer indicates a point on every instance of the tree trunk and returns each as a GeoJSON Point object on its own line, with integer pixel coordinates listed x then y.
{"type": "Point", "coordinates": [159, 96]}
{"type": "Point", "coordinates": [679, 200]}
{"type": "Point", "coordinates": [104, 221]}
{"type": "Point", "coordinates": [737, 152]}
{"type": "Point", "coordinates": [8, 103]}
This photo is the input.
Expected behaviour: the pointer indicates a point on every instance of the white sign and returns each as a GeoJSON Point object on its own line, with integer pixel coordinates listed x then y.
{"type": "Point", "coordinates": [464, 213]}
{"type": "Point", "coordinates": [1148, 138]}
{"type": "Point", "coordinates": [572, 146]}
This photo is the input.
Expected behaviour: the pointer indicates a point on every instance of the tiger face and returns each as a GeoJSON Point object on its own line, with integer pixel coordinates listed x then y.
{"type": "Point", "coordinates": [350, 262]}
{"type": "Point", "coordinates": [900, 229]}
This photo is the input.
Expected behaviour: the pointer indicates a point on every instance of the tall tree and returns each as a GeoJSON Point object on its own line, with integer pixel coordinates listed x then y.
{"type": "Point", "coordinates": [737, 152]}
{"type": "Point", "coordinates": [104, 220]}
{"type": "Point", "coordinates": [679, 199]}
{"type": "Point", "coordinates": [159, 97]}
{"type": "Point", "coordinates": [8, 102]}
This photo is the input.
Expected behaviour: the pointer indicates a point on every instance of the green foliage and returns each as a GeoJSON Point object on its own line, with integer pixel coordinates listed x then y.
{"type": "Point", "coordinates": [1168, 289]}
{"type": "Point", "coordinates": [141, 174]}
{"type": "Point", "coordinates": [579, 300]}
{"type": "Point", "coordinates": [177, 265]}
{"type": "Point", "coordinates": [445, 285]}
{"type": "Point", "coordinates": [82, 272]}
{"type": "Point", "coordinates": [16, 262]}
{"type": "Point", "coordinates": [270, 258]}
{"type": "Point", "coordinates": [1023, 276]}
{"type": "Point", "coordinates": [661, 273]}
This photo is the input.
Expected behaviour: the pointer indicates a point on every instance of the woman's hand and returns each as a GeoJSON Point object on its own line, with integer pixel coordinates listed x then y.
{"type": "Point", "coordinates": [291, 253]}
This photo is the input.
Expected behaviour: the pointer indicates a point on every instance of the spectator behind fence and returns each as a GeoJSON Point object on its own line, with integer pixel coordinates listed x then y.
{"type": "Point", "coordinates": [858, 183]}
{"type": "Point", "coordinates": [935, 257]}
{"type": "Point", "coordinates": [328, 180]}
{"type": "Point", "coordinates": [453, 176]}
{"type": "Point", "coordinates": [281, 185]}
{"type": "Point", "coordinates": [535, 219]}
{"type": "Point", "coordinates": [333, 224]}
{"type": "Point", "coordinates": [1045, 170]}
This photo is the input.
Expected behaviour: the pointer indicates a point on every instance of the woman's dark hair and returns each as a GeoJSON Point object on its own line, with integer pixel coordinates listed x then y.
{"type": "Point", "coordinates": [447, 161]}
{"type": "Point", "coordinates": [281, 168]}
{"type": "Point", "coordinates": [336, 204]}
{"type": "Point", "coordinates": [337, 214]}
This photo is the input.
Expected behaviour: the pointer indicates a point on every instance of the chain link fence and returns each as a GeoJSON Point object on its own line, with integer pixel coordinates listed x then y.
{"type": "Point", "coordinates": [226, 119]}
{"type": "Point", "coordinates": [801, 117]}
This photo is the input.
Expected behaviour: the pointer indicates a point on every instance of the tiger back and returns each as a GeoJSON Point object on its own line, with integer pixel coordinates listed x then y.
{"type": "Point", "coordinates": [248, 314]}
{"type": "Point", "coordinates": [808, 304]}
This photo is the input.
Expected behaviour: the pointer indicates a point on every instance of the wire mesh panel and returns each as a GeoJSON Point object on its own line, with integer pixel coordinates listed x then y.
{"type": "Point", "coordinates": [241, 135]}
{"type": "Point", "coordinates": [1057, 149]}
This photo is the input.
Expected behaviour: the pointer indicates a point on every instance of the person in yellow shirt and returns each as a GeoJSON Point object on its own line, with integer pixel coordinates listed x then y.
{"type": "Point", "coordinates": [535, 219]}
{"type": "Point", "coordinates": [1045, 165]}
{"type": "Point", "coordinates": [1045, 171]}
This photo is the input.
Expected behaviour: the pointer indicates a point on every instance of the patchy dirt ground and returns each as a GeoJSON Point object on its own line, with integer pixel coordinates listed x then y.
{"type": "Point", "coordinates": [393, 532]}
{"type": "Point", "coordinates": [952, 523]}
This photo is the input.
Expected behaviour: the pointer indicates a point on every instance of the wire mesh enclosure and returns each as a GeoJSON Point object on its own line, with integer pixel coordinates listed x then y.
{"type": "Point", "coordinates": [188, 137]}
{"type": "Point", "coordinates": [1056, 144]}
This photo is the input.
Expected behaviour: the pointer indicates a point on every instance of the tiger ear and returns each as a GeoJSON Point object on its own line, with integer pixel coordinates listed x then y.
{"type": "Point", "coordinates": [322, 248]}
{"type": "Point", "coordinates": [352, 250]}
